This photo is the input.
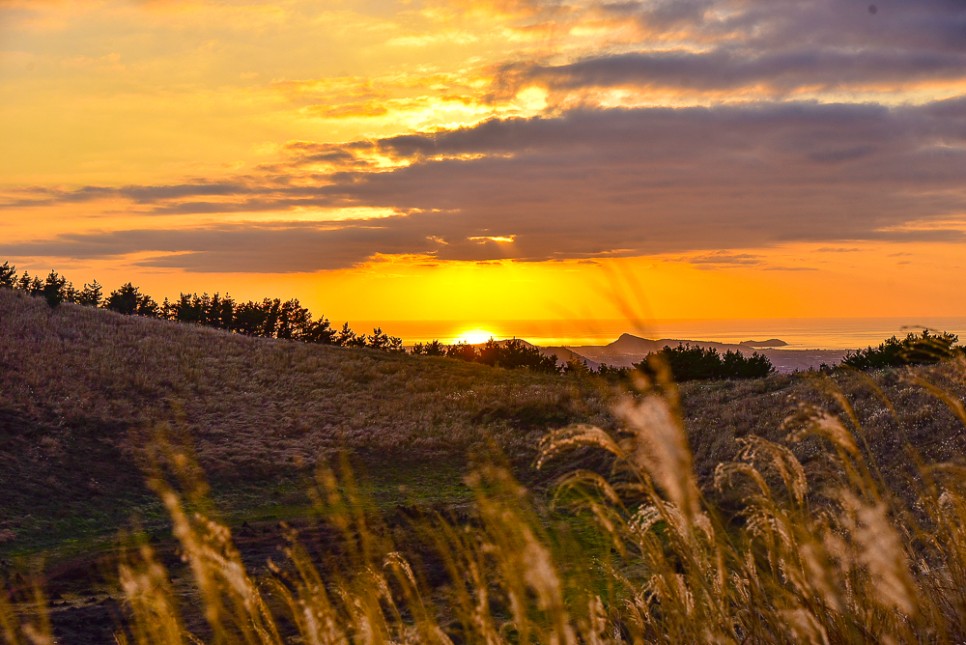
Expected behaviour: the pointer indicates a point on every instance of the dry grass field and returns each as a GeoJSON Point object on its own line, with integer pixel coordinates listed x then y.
{"type": "Point", "coordinates": [795, 508]}
{"type": "Point", "coordinates": [82, 391]}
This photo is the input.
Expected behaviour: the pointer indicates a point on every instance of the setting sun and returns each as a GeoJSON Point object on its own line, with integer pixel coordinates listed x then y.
{"type": "Point", "coordinates": [474, 336]}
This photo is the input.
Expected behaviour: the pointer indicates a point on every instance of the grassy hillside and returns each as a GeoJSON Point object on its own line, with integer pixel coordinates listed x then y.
{"type": "Point", "coordinates": [82, 391]}
{"type": "Point", "coordinates": [84, 394]}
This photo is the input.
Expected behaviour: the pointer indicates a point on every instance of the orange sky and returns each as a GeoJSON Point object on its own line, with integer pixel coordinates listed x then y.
{"type": "Point", "coordinates": [510, 159]}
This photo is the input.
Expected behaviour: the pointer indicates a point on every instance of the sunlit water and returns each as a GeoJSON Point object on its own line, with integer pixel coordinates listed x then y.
{"type": "Point", "coordinates": [799, 333]}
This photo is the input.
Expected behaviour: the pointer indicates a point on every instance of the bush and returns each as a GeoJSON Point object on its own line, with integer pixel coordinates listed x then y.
{"type": "Point", "coordinates": [509, 354]}
{"type": "Point", "coordinates": [689, 363]}
{"type": "Point", "coordinates": [614, 374]}
{"type": "Point", "coordinates": [434, 348]}
{"type": "Point", "coordinates": [925, 349]}
{"type": "Point", "coordinates": [463, 352]}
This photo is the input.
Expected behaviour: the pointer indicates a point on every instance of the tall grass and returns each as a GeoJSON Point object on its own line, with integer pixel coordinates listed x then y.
{"type": "Point", "coordinates": [629, 549]}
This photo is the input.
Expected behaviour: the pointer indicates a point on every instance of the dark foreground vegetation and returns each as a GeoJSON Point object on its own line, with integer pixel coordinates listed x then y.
{"type": "Point", "coordinates": [688, 363]}
{"type": "Point", "coordinates": [926, 348]}
{"type": "Point", "coordinates": [785, 509]}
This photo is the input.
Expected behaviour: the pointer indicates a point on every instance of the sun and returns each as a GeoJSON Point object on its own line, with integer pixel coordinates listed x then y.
{"type": "Point", "coordinates": [475, 336]}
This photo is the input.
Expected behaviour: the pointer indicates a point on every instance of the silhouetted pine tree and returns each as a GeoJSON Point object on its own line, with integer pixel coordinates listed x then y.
{"type": "Point", "coordinates": [55, 289]}
{"type": "Point", "coordinates": [249, 319]}
{"type": "Point", "coordinates": [129, 300]}
{"type": "Point", "coordinates": [221, 311]}
{"type": "Point", "coordinates": [30, 285]}
{"type": "Point", "coordinates": [576, 367]}
{"type": "Point", "coordinates": [381, 340]}
{"type": "Point", "coordinates": [8, 276]}
{"type": "Point", "coordinates": [378, 339]}
{"type": "Point", "coordinates": [188, 309]}
{"type": "Point", "coordinates": [273, 309]}
{"type": "Point", "coordinates": [348, 338]}
{"type": "Point", "coordinates": [293, 320]}
{"type": "Point", "coordinates": [91, 295]}
{"type": "Point", "coordinates": [319, 331]}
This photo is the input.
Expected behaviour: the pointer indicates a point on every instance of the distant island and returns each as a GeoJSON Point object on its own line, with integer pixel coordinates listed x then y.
{"type": "Point", "coordinates": [629, 349]}
{"type": "Point", "coordinates": [771, 342]}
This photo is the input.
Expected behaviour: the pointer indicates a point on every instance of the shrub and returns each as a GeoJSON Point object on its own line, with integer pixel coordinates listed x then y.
{"type": "Point", "coordinates": [462, 351]}
{"type": "Point", "coordinates": [614, 374]}
{"type": "Point", "coordinates": [688, 363]}
{"type": "Point", "coordinates": [924, 349]}
{"type": "Point", "coordinates": [509, 354]}
{"type": "Point", "coordinates": [434, 348]}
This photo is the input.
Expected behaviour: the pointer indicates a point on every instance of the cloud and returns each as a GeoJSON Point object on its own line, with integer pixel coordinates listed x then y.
{"type": "Point", "coordinates": [590, 182]}
{"type": "Point", "coordinates": [586, 184]}
{"type": "Point", "coordinates": [720, 259]}
{"type": "Point", "coordinates": [789, 268]}
{"type": "Point", "coordinates": [702, 50]}
{"type": "Point", "coordinates": [837, 249]}
{"type": "Point", "coordinates": [771, 73]}
{"type": "Point", "coordinates": [287, 247]}
{"type": "Point", "coordinates": [765, 24]}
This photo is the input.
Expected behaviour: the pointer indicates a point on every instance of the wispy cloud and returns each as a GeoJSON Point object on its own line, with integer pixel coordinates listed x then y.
{"type": "Point", "coordinates": [720, 259]}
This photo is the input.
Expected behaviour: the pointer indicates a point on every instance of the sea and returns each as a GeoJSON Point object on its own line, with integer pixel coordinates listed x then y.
{"type": "Point", "coordinates": [798, 333]}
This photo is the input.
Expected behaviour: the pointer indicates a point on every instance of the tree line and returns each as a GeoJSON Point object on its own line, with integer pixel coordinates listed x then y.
{"type": "Point", "coordinates": [268, 318]}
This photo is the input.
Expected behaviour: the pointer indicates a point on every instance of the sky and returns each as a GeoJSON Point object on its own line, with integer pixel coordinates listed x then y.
{"type": "Point", "coordinates": [497, 160]}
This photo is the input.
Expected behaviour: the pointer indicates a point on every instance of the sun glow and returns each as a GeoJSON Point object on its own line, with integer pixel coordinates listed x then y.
{"type": "Point", "coordinates": [474, 336]}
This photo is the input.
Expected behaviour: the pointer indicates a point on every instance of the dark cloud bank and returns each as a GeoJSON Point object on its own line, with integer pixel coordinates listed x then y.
{"type": "Point", "coordinates": [586, 184]}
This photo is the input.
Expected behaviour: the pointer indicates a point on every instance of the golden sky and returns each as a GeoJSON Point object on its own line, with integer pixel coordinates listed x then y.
{"type": "Point", "coordinates": [516, 159]}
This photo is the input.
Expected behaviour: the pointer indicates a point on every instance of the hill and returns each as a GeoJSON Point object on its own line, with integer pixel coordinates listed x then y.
{"type": "Point", "coordinates": [566, 354]}
{"type": "Point", "coordinates": [82, 390]}
{"type": "Point", "coordinates": [761, 344]}
{"type": "Point", "coordinates": [629, 349]}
